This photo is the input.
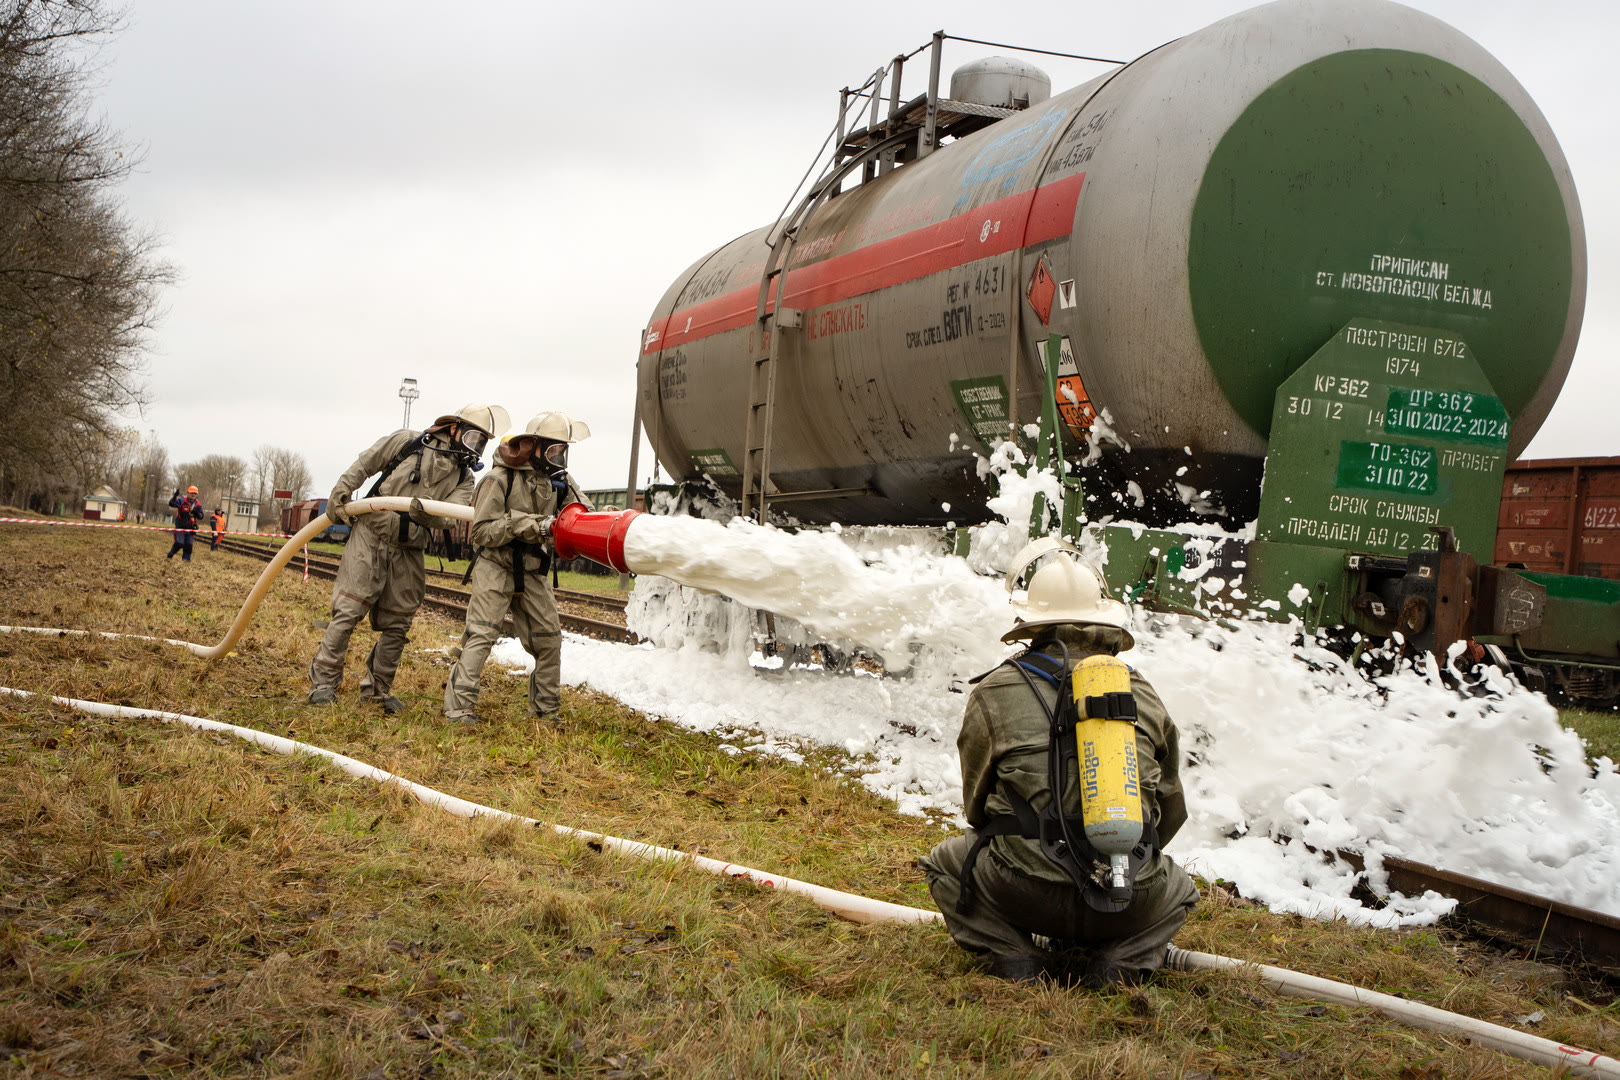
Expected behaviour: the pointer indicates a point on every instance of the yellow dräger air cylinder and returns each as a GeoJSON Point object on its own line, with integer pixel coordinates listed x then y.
{"type": "Point", "coordinates": [1105, 738]}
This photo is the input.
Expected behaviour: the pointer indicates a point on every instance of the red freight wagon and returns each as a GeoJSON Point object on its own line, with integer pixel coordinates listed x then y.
{"type": "Point", "coordinates": [1561, 515]}
{"type": "Point", "coordinates": [299, 514]}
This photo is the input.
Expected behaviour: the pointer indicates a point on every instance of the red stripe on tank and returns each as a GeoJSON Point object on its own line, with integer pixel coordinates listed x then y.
{"type": "Point", "coordinates": [1018, 221]}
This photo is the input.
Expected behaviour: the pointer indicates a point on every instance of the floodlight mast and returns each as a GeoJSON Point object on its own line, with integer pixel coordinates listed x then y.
{"type": "Point", "coordinates": [408, 393]}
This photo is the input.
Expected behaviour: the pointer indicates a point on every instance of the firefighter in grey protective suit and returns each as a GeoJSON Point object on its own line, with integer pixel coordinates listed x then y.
{"type": "Point", "coordinates": [382, 574]}
{"type": "Point", "coordinates": [996, 885]}
{"type": "Point", "coordinates": [513, 511]}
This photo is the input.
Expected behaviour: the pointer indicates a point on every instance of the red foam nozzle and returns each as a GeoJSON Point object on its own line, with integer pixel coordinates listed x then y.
{"type": "Point", "coordinates": [599, 536]}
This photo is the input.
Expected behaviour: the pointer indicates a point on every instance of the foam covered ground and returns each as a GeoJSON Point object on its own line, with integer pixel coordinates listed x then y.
{"type": "Point", "coordinates": [1284, 742]}
{"type": "Point", "coordinates": [1492, 787]}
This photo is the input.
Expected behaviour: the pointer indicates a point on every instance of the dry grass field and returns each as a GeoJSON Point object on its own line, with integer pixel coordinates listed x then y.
{"type": "Point", "coordinates": [179, 904]}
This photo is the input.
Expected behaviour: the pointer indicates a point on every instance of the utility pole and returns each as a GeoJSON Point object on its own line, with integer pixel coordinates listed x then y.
{"type": "Point", "coordinates": [156, 480]}
{"type": "Point", "coordinates": [408, 393]}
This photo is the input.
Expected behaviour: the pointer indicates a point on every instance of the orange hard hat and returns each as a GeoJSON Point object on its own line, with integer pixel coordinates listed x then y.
{"type": "Point", "coordinates": [191, 490]}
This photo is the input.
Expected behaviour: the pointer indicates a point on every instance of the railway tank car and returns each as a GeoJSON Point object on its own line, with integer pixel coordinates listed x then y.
{"type": "Point", "coordinates": [299, 514]}
{"type": "Point", "coordinates": [1192, 227]}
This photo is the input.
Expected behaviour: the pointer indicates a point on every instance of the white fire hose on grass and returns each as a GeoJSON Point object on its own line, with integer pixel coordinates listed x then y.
{"type": "Point", "coordinates": [863, 909]}
{"type": "Point", "coordinates": [1520, 1044]}
{"type": "Point", "coordinates": [860, 909]}
{"type": "Point", "coordinates": [851, 906]}
{"type": "Point", "coordinates": [268, 578]}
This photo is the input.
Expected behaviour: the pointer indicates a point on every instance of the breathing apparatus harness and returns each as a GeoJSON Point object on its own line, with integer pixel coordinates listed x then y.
{"type": "Point", "coordinates": [1063, 838]}
{"type": "Point", "coordinates": [522, 549]}
{"type": "Point", "coordinates": [417, 446]}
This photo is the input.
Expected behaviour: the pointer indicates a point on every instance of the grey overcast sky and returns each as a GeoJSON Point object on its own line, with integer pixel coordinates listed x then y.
{"type": "Point", "coordinates": [491, 198]}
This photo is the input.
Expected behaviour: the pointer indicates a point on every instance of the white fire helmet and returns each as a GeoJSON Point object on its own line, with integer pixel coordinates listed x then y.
{"type": "Point", "coordinates": [1063, 589]}
{"type": "Point", "coordinates": [492, 420]}
{"type": "Point", "coordinates": [558, 427]}
{"type": "Point", "coordinates": [479, 424]}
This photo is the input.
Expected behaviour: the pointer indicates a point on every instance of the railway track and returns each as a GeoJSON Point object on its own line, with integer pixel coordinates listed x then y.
{"type": "Point", "coordinates": [613, 603]}
{"type": "Point", "coordinates": [453, 601]}
{"type": "Point", "coordinates": [1539, 926]}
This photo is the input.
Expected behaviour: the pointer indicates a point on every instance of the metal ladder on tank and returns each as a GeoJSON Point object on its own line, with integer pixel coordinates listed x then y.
{"type": "Point", "coordinates": [910, 131]}
{"type": "Point", "coordinates": [884, 142]}
{"type": "Point", "coordinates": [772, 320]}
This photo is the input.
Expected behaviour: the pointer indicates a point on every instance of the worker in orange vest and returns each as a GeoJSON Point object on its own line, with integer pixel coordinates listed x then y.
{"type": "Point", "coordinates": [219, 528]}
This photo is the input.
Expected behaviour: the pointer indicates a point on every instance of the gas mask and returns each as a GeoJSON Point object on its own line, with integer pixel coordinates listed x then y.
{"type": "Point", "coordinates": [527, 451]}
{"type": "Point", "coordinates": [554, 457]}
{"type": "Point", "coordinates": [468, 445]}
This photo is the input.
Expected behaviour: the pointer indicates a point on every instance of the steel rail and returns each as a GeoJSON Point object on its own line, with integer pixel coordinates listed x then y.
{"type": "Point", "coordinates": [451, 601]}
{"type": "Point", "coordinates": [256, 550]}
{"type": "Point", "coordinates": [1546, 927]}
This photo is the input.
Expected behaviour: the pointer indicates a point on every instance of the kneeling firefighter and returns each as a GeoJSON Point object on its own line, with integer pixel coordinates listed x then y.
{"type": "Point", "coordinates": [382, 573]}
{"type": "Point", "coordinates": [1084, 870]}
{"type": "Point", "coordinates": [513, 511]}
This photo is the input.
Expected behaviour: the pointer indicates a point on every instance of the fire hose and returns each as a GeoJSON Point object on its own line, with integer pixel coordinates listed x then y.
{"type": "Point", "coordinates": [600, 536]}
{"type": "Point", "coordinates": [864, 909]}
{"type": "Point", "coordinates": [848, 905]}
{"type": "Point", "coordinates": [1519, 1044]}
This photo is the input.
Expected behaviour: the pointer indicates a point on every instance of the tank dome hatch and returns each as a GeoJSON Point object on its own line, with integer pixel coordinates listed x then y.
{"type": "Point", "coordinates": [1000, 82]}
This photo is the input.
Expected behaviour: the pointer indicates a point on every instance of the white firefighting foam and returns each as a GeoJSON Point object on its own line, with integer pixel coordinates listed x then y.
{"type": "Point", "coordinates": [1282, 740]}
{"type": "Point", "coordinates": [900, 604]}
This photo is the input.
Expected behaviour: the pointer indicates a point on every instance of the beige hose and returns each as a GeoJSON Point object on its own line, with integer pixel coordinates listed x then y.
{"type": "Point", "coordinates": [849, 905]}
{"type": "Point", "coordinates": [262, 586]}
{"type": "Point", "coordinates": [867, 910]}
{"type": "Point", "coordinates": [1507, 1040]}
{"type": "Point", "coordinates": [860, 909]}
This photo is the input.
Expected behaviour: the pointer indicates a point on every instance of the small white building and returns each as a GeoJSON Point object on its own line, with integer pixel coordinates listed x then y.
{"type": "Point", "coordinates": [241, 515]}
{"type": "Point", "coordinates": [104, 505]}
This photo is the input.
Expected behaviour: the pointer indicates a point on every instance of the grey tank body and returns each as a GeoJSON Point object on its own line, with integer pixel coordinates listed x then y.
{"type": "Point", "coordinates": [1193, 226]}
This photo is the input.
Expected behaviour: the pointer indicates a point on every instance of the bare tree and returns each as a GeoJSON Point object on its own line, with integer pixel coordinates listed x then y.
{"type": "Point", "coordinates": [78, 281]}
{"type": "Point", "coordinates": [216, 477]}
{"type": "Point", "coordinates": [292, 474]}
{"type": "Point", "coordinates": [155, 476]}
{"type": "Point", "coordinates": [263, 468]}
{"type": "Point", "coordinates": [279, 469]}
{"type": "Point", "coordinates": [123, 450]}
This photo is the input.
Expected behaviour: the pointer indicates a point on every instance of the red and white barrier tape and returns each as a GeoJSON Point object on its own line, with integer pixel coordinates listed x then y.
{"type": "Point", "coordinates": [285, 553]}
{"type": "Point", "coordinates": [152, 528]}
{"type": "Point", "coordinates": [125, 525]}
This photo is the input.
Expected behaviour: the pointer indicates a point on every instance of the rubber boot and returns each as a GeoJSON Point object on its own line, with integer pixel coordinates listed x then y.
{"type": "Point", "coordinates": [1017, 969]}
